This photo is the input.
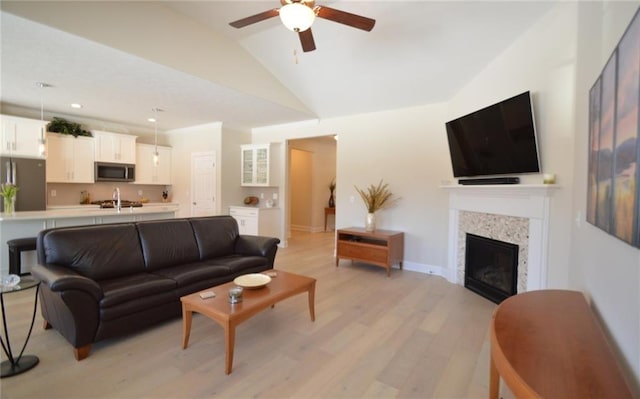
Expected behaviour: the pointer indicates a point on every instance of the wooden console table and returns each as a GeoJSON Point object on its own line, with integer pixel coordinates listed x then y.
{"type": "Point", "coordinates": [327, 212]}
{"type": "Point", "coordinates": [549, 344]}
{"type": "Point", "coordinates": [380, 247]}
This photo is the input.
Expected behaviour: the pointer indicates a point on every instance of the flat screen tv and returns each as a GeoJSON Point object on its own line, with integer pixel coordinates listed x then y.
{"type": "Point", "coordinates": [497, 140]}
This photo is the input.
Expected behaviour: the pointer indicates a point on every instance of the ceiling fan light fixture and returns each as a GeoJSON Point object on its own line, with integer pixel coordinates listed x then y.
{"type": "Point", "coordinates": [297, 17]}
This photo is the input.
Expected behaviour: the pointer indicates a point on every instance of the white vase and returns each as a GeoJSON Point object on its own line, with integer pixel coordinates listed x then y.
{"type": "Point", "coordinates": [370, 223]}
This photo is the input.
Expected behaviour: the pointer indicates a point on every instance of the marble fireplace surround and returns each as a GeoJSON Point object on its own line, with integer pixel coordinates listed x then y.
{"type": "Point", "coordinates": [515, 213]}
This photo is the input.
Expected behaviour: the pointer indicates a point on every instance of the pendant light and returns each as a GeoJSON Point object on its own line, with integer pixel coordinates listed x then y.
{"type": "Point", "coordinates": [156, 155]}
{"type": "Point", "coordinates": [42, 143]}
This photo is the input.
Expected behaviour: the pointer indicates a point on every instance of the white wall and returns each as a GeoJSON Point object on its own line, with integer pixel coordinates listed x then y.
{"type": "Point", "coordinates": [186, 141]}
{"type": "Point", "coordinates": [406, 148]}
{"type": "Point", "coordinates": [542, 61]}
{"type": "Point", "coordinates": [605, 268]}
{"type": "Point", "coordinates": [229, 159]}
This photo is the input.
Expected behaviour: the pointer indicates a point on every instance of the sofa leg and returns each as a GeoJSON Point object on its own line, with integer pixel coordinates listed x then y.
{"type": "Point", "coordinates": [46, 325]}
{"type": "Point", "coordinates": [82, 352]}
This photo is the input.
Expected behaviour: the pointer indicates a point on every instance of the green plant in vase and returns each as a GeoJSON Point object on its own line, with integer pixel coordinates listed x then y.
{"type": "Point", "coordinates": [9, 192]}
{"type": "Point", "coordinates": [375, 198]}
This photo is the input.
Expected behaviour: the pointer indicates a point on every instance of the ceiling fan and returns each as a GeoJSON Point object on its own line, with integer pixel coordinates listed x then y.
{"type": "Point", "coordinates": [298, 16]}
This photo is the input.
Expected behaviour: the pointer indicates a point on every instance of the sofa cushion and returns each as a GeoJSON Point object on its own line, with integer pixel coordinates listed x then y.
{"type": "Point", "coordinates": [133, 287]}
{"type": "Point", "coordinates": [185, 275]}
{"type": "Point", "coordinates": [139, 307]}
{"type": "Point", "coordinates": [236, 264]}
{"type": "Point", "coordinates": [216, 235]}
{"type": "Point", "coordinates": [97, 252]}
{"type": "Point", "coordinates": [167, 243]}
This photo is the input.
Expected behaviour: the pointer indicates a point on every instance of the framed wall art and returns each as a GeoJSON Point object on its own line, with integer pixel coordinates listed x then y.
{"type": "Point", "coordinates": [613, 194]}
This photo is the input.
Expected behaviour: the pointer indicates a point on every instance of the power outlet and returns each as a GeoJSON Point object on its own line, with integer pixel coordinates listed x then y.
{"type": "Point", "coordinates": [261, 195]}
{"type": "Point", "coordinates": [275, 196]}
{"type": "Point", "coordinates": [54, 193]}
{"type": "Point", "coordinates": [140, 193]}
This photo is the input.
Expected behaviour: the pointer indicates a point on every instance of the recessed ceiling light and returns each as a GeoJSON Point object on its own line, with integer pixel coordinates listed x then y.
{"type": "Point", "coordinates": [151, 119]}
{"type": "Point", "coordinates": [76, 105]}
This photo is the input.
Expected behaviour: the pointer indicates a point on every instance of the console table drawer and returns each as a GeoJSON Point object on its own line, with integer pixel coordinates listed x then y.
{"type": "Point", "coordinates": [367, 252]}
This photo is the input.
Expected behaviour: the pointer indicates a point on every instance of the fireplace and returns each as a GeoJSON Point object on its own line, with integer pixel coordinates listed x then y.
{"type": "Point", "coordinates": [491, 267]}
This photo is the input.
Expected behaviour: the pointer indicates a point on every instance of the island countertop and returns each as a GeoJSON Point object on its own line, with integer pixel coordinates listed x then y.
{"type": "Point", "coordinates": [84, 211]}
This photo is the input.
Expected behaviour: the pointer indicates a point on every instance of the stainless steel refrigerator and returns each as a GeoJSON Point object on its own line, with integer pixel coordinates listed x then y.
{"type": "Point", "coordinates": [30, 177]}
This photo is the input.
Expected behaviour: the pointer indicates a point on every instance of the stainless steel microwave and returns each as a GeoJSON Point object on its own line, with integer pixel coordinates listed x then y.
{"type": "Point", "coordinates": [114, 172]}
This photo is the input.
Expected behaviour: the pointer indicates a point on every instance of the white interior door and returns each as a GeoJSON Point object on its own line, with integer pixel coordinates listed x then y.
{"type": "Point", "coordinates": [203, 184]}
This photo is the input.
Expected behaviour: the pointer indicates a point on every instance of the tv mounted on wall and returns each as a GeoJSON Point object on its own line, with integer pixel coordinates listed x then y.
{"type": "Point", "coordinates": [497, 140]}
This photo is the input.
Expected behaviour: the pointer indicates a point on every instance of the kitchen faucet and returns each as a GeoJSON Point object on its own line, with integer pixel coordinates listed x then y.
{"type": "Point", "coordinates": [116, 199]}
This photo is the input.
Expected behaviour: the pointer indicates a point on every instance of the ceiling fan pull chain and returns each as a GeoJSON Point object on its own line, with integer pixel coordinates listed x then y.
{"type": "Point", "coordinates": [295, 56]}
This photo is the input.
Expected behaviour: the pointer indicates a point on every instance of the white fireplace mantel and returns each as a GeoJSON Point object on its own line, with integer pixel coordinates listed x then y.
{"type": "Point", "coordinates": [519, 200]}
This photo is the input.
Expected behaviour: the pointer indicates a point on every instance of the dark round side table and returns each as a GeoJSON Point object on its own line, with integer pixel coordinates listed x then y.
{"type": "Point", "coordinates": [20, 364]}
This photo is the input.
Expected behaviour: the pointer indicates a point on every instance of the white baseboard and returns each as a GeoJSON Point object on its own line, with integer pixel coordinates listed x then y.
{"type": "Point", "coordinates": [428, 269]}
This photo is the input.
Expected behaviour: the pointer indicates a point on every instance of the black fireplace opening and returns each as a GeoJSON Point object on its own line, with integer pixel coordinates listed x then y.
{"type": "Point", "coordinates": [491, 267]}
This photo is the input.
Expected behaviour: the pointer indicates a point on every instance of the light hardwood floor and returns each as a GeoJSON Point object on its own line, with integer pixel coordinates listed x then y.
{"type": "Point", "coordinates": [408, 336]}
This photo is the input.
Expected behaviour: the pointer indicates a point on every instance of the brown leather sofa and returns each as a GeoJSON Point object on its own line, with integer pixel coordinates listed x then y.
{"type": "Point", "coordinates": [104, 281]}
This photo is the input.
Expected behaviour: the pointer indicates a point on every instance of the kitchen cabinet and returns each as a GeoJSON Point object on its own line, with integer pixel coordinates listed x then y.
{"type": "Point", "coordinates": [146, 171]}
{"type": "Point", "coordinates": [257, 221]}
{"type": "Point", "coordinates": [69, 159]}
{"type": "Point", "coordinates": [21, 137]}
{"type": "Point", "coordinates": [258, 165]}
{"type": "Point", "coordinates": [114, 147]}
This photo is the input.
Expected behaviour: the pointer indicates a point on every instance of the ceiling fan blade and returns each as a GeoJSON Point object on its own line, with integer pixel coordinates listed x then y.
{"type": "Point", "coordinates": [346, 18]}
{"type": "Point", "coordinates": [306, 39]}
{"type": "Point", "coordinates": [241, 23]}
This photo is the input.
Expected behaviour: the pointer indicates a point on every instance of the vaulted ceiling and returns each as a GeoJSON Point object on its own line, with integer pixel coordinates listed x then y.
{"type": "Point", "coordinates": [121, 59]}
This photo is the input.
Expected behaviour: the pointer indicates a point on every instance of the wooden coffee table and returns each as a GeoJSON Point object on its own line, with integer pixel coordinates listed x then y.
{"type": "Point", "coordinates": [228, 315]}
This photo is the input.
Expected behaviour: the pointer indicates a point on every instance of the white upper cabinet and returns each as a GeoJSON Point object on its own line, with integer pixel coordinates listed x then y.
{"type": "Point", "coordinates": [21, 137]}
{"type": "Point", "coordinates": [114, 147]}
{"type": "Point", "coordinates": [69, 159]}
{"type": "Point", "coordinates": [257, 166]}
{"type": "Point", "coordinates": [146, 171]}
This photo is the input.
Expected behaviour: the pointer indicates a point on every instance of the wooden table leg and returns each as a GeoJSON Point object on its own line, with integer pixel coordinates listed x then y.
{"type": "Point", "coordinates": [312, 301]}
{"type": "Point", "coordinates": [230, 341]}
{"type": "Point", "coordinates": [494, 380]}
{"type": "Point", "coordinates": [186, 326]}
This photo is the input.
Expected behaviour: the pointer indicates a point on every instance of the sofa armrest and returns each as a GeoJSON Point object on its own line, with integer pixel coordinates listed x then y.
{"type": "Point", "coordinates": [59, 279]}
{"type": "Point", "coordinates": [257, 246]}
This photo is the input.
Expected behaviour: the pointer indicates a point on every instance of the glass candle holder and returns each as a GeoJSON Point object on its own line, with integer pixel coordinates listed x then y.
{"type": "Point", "coordinates": [549, 178]}
{"type": "Point", "coordinates": [235, 294]}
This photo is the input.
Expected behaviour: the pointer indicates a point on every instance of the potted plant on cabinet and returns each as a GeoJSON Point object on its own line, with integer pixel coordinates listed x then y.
{"type": "Point", "coordinates": [63, 126]}
{"type": "Point", "coordinates": [375, 198]}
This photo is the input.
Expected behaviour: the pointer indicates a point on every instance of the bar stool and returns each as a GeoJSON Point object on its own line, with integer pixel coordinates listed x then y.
{"type": "Point", "coordinates": [16, 247]}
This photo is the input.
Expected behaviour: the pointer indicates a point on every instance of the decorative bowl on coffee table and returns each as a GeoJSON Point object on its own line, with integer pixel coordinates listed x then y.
{"type": "Point", "coordinates": [252, 281]}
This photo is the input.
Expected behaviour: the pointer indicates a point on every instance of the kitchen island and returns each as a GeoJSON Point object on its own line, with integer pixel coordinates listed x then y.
{"type": "Point", "coordinates": [28, 224]}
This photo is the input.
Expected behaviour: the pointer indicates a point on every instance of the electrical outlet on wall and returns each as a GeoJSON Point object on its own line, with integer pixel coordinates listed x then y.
{"type": "Point", "coordinates": [261, 195]}
{"type": "Point", "coordinates": [140, 193]}
{"type": "Point", "coordinates": [275, 196]}
{"type": "Point", "coordinates": [54, 193]}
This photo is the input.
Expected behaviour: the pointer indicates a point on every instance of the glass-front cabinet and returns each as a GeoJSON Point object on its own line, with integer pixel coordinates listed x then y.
{"type": "Point", "coordinates": [255, 165]}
